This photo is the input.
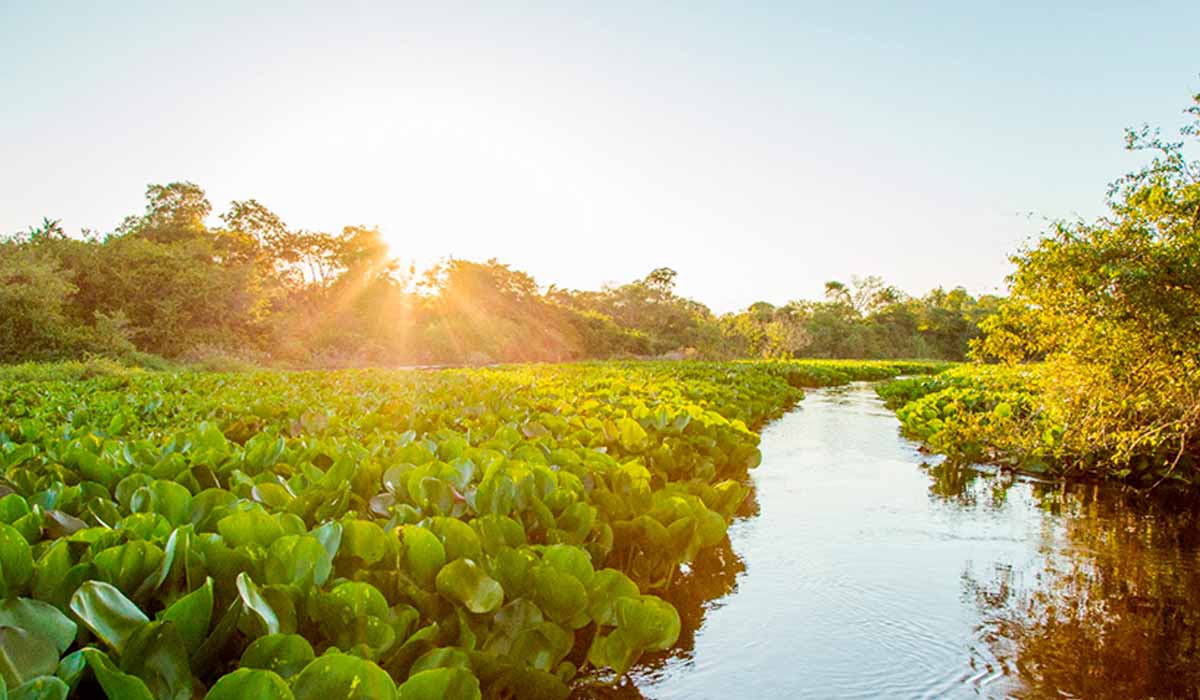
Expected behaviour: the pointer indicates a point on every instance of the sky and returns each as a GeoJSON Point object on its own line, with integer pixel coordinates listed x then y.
{"type": "Point", "coordinates": [757, 148]}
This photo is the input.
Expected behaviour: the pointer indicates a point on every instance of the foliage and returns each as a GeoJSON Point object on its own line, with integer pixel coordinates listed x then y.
{"type": "Point", "coordinates": [254, 290]}
{"type": "Point", "coordinates": [366, 533]}
{"type": "Point", "coordinates": [1113, 307]}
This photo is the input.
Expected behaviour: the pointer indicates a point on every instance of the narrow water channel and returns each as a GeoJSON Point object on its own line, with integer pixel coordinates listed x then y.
{"type": "Point", "coordinates": [864, 572]}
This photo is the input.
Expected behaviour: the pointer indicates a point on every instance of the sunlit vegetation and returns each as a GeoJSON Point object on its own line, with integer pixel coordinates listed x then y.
{"type": "Point", "coordinates": [1100, 342]}
{"type": "Point", "coordinates": [166, 284]}
{"type": "Point", "coordinates": [366, 533]}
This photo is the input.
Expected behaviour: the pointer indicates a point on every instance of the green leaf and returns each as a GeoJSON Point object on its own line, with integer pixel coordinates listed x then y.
{"type": "Point", "coordinates": [254, 602]}
{"type": "Point", "coordinates": [298, 560]}
{"type": "Point", "coordinates": [107, 612]}
{"type": "Point", "coordinates": [16, 561]}
{"type": "Point", "coordinates": [156, 653]}
{"type": "Point", "coordinates": [129, 565]}
{"type": "Point", "coordinates": [608, 585]}
{"type": "Point", "coordinates": [117, 684]}
{"type": "Point", "coordinates": [424, 554]}
{"type": "Point", "coordinates": [463, 581]}
{"type": "Point", "coordinates": [438, 683]}
{"type": "Point", "coordinates": [25, 655]}
{"type": "Point", "coordinates": [41, 688]}
{"type": "Point", "coordinates": [447, 657]}
{"type": "Point", "coordinates": [251, 526]}
{"type": "Point", "coordinates": [71, 668]}
{"type": "Point", "coordinates": [285, 654]}
{"type": "Point", "coordinates": [633, 436]}
{"type": "Point", "coordinates": [43, 619]}
{"type": "Point", "coordinates": [344, 677]}
{"type": "Point", "coordinates": [363, 539]}
{"type": "Point", "coordinates": [250, 683]}
{"type": "Point", "coordinates": [559, 594]}
{"type": "Point", "coordinates": [192, 615]}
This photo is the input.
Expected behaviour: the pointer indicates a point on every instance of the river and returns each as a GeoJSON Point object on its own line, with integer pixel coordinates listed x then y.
{"type": "Point", "coordinates": [862, 571]}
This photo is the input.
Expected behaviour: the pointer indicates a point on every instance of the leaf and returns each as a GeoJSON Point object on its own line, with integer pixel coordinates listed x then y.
{"type": "Point", "coordinates": [559, 594]}
{"type": "Point", "coordinates": [156, 653]}
{"type": "Point", "coordinates": [41, 688]}
{"type": "Point", "coordinates": [251, 526]}
{"type": "Point", "coordinates": [16, 562]}
{"type": "Point", "coordinates": [42, 619]}
{"type": "Point", "coordinates": [424, 554]}
{"type": "Point", "coordinates": [192, 615]}
{"type": "Point", "coordinates": [463, 581]}
{"type": "Point", "coordinates": [447, 657]}
{"type": "Point", "coordinates": [298, 560]}
{"type": "Point", "coordinates": [25, 655]}
{"type": "Point", "coordinates": [285, 654]}
{"type": "Point", "coordinates": [363, 539]}
{"type": "Point", "coordinates": [608, 585]}
{"type": "Point", "coordinates": [633, 436]}
{"type": "Point", "coordinates": [117, 684]}
{"type": "Point", "coordinates": [129, 565]}
{"type": "Point", "coordinates": [247, 683]}
{"type": "Point", "coordinates": [344, 677]}
{"type": "Point", "coordinates": [439, 683]}
{"type": "Point", "coordinates": [253, 602]}
{"type": "Point", "coordinates": [107, 612]}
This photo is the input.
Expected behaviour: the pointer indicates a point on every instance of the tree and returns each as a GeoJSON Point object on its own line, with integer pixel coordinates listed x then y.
{"type": "Point", "coordinates": [1116, 304]}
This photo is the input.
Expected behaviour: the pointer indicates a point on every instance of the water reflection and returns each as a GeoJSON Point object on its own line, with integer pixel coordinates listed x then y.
{"type": "Point", "coordinates": [860, 570]}
{"type": "Point", "coordinates": [1111, 606]}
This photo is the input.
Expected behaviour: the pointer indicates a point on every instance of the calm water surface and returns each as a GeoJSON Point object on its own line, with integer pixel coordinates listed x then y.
{"type": "Point", "coordinates": [862, 572]}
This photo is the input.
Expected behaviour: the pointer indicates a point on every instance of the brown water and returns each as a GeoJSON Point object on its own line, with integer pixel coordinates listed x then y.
{"type": "Point", "coordinates": [862, 572]}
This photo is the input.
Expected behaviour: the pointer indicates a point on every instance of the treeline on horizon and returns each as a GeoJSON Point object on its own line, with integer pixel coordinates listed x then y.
{"type": "Point", "coordinates": [167, 284]}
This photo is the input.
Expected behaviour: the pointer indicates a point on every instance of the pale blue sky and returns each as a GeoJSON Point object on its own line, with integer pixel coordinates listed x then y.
{"type": "Point", "coordinates": [758, 148]}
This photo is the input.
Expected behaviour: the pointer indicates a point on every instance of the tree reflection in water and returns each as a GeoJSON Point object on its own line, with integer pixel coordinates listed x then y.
{"type": "Point", "coordinates": [1110, 607]}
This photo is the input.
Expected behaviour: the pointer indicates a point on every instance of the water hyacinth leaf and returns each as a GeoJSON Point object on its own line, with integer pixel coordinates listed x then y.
{"type": "Point", "coordinates": [167, 498]}
{"type": "Point", "coordinates": [246, 683]}
{"type": "Point", "coordinates": [107, 612]}
{"type": "Point", "coordinates": [41, 688]}
{"type": "Point", "coordinates": [572, 560]}
{"type": "Point", "coordinates": [284, 654]}
{"type": "Point", "coordinates": [542, 646]}
{"type": "Point", "coordinates": [458, 538]}
{"type": "Point", "coordinates": [129, 565]}
{"type": "Point", "coordinates": [608, 585]}
{"type": "Point", "coordinates": [297, 560]}
{"type": "Point", "coordinates": [192, 615]}
{"type": "Point", "coordinates": [16, 561]}
{"type": "Point", "coordinates": [13, 507]}
{"type": "Point", "coordinates": [117, 684]}
{"type": "Point", "coordinates": [38, 617]}
{"type": "Point", "coordinates": [330, 537]}
{"type": "Point", "coordinates": [444, 657]}
{"type": "Point", "coordinates": [344, 677]}
{"type": "Point", "coordinates": [440, 683]}
{"type": "Point", "coordinates": [632, 435]}
{"type": "Point", "coordinates": [156, 653]}
{"type": "Point", "coordinates": [258, 607]}
{"type": "Point", "coordinates": [363, 539]}
{"type": "Point", "coordinates": [25, 655]}
{"type": "Point", "coordinates": [528, 684]}
{"type": "Point", "coordinates": [652, 622]}
{"type": "Point", "coordinates": [251, 526]}
{"type": "Point", "coordinates": [559, 594]}
{"type": "Point", "coordinates": [357, 613]}
{"type": "Point", "coordinates": [465, 582]}
{"type": "Point", "coordinates": [424, 554]}
{"type": "Point", "coordinates": [71, 667]}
